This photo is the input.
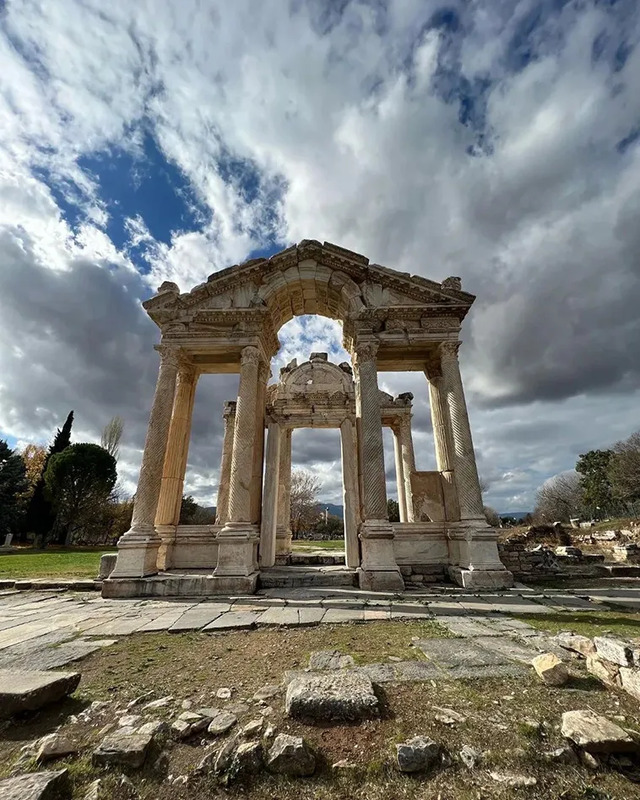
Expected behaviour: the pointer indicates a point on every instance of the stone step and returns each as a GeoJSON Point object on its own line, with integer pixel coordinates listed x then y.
{"type": "Point", "coordinates": [315, 559]}
{"type": "Point", "coordinates": [619, 570]}
{"type": "Point", "coordinates": [298, 576]}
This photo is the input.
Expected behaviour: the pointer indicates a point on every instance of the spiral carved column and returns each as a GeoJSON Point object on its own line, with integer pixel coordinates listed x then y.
{"type": "Point", "coordinates": [138, 548]}
{"type": "Point", "coordinates": [379, 570]}
{"type": "Point", "coordinates": [443, 437]}
{"type": "Point", "coordinates": [350, 493]}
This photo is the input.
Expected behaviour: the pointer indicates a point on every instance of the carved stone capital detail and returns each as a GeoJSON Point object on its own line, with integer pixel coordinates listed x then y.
{"type": "Point", "coordinates": [169, 355]}
{"type": "Point", "coordinates": [449, 349]}
{"type": "Point", "coordinates": [366, 351]}
{"type": "Point", "coordinates": [229, 409]}
{"type": "Point", "coordinates": [433, 367]}
{"type": "Point", "coordinates": [250, 355]}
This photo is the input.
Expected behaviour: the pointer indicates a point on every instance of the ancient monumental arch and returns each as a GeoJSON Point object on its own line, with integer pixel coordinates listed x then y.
{"type": "Point", "coordinates": [391, 321]}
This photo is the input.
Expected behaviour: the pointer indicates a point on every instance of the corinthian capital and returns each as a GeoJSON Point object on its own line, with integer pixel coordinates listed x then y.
{"type": "Point", "coordinates": [366, 351]}
{"type": "Point", "coordinates": [250, 355]}
{"type": "Point", "coordinates": [449, 349]}
{"type": "Point", "coordinates": [169, 355]}
{"type": "Point", "coordinates": [229, 410]}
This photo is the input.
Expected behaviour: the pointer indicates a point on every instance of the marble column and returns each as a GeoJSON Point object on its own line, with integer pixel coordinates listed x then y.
{"type": "Point", "coordinates": [379, 570]}
{"type": "Point", "coordinates": [175, 462]}
{"type": "Point", "coordinates": [237, 541]}
{"type": "Point", "coordinates": [138, 547]}
{"type": "Point", "coordinates": [258, 454]}
{"type": "Point", "coordinates": [397, 451]}
{"type": "Point", "coordinates": [270, 497]}
{"type": "Point", "coordinates": [222, 503]}
{"type": "Point", "coordinates": [408, 458]}
{"type": "Point", "coordinates": [443, 437]}
{"type": "Point", "coordinates": [350, 491]}
{"type": "Point", "coordinates": [283, 525]}
{"type": "Point", "coordinates": [474, 552]}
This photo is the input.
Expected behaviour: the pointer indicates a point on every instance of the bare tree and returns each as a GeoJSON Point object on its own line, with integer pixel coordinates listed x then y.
{"type": "Point", "coordinates": [559, 498]}
{"type": "Point", "coordinates": [492, 516]}
{"type": "Point", "coordinates": [304, 500]}
{"type": "Point", "coordinates": [624, 469]}
{"type": "Point", "coordinates": [111, 435]}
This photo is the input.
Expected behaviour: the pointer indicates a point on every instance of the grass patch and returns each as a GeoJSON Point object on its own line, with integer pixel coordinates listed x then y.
{"type": "Point", "coordinates": [587, 623]}
{"type": "Point", "coordinates": [324, 544]}
{"type": "Point", "coordinates": [59, 563]}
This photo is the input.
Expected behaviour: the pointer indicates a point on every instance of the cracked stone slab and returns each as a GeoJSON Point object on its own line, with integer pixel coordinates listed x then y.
{"type": "Point", "coordinates": [234, 619]}
{"type": "Point", "coordinates": [507, 649]}
{"type": "Point", "coordinates": [199, 616]}
{"type": "Point", "coordinates": [66, 653]}
{"type": "Point", "coordinates": [336, 615]}
{"type": "Point", "coordinates": [341, 695]}
{"type": "Point", "coordinates": [37, 786]}
{"type": "Point", "coordinates": [448, 653]}
{"type": "Point", "coordinates": [29, 690]}
{"type": "Point", "coordinates": [468, 627]}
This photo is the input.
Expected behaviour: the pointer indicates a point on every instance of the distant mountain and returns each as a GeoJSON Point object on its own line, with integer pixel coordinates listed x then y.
{"type": "Point", "coordinates": [335, 511]}
{"type": "Point", "coordinates": [516, 514]}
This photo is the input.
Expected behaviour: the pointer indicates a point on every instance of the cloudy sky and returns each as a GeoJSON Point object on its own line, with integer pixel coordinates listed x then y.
{"type": "Point", "coordinates": [497, 140]}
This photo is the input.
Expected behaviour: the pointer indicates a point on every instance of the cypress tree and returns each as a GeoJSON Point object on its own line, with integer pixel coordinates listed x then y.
{"type": "Point", "coordinates": [40, 517]}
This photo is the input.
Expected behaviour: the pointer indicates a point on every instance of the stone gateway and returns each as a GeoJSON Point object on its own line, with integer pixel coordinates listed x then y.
{"type": "Point", "coordinates": [391, 321]}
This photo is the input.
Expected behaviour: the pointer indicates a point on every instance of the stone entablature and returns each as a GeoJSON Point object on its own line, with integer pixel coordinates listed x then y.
{"type": "Point", "coordinates": [391, 321]}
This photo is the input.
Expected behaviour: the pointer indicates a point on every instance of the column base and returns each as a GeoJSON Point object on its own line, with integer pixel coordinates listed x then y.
{"type": "Point", "coordinates": [234, 584]}
{"type": "Point", "coordinates": [481, 578]}
{"type": "Point", "coordinates": [167, 534]}
{"type": "Point", "coordinates": [195, 547]}
{"type": "Point", "coordinates": [237, 551]}
{"type": "Point", "coordinates": [379, 571]}
{"type": "Point", "coordinates": [284, 537]}
{"type": "Point", "coordinates": [137, 553]}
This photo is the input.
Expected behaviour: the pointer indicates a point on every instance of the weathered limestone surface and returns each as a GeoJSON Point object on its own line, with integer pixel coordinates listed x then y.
{"type": "Point", "coordinates": [291, 755]}
{"type": "Point", "coordinates": [37, 786]}
{"type": "Point", "coordinates": [29, 690]}
{"type": "Point", "coordinates": [552, 671]}
{"type": "Point", "coordinates": [339, 696]}
{"type": "Point", "coordinates": [122, 749]}
{"type": "Point", "coordinates": [596, 733]}
{"type": "Point", "coordinates": [418, 754]}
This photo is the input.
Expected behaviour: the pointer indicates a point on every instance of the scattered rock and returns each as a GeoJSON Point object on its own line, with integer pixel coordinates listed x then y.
{"type": "Point", "coordinates": [207, 762]}
{"type": "Point", "coordinates": [221, 723]}
{"type": "Point", "coordinates": [339, 696]}
{"type": "Point", "coordinates": [180, 729]}
{"type": "Point", "coordinates": [139, 699]}
{"type": "Point", "coordinates": [561, 755]}
{"type": "Point", "coordinates": [29, 690]}
{"type": "Point", "coordinates": [224, 758]}
{"type": "Point", "coordinates": [154, 728]}
{"type": "Point", "coordinates": [129, 751]}
{"type": "Point", "coordinates": [186, 704]}
{"type": "Point", "coordinates": [330, 659]}
{"type": "Point", "coordinates": [223, 693]}
{"type": "Point", "coordinates": [291, 755]}
{"type": "Point", "coordinates": [247, 759]}
{"type": "Point", "coordinates": [588, 760]}
{"type": "Point", "coordinates": [344, 766]}
{"type": "Point", "coordinates": [576, 643]}
{"type": "Point", "coordinates": [99, 790]}
{"type": "Point", "coordinates": [36, 786]}
{"type": "Point", "coordinates": [630, 679]}
{"type": "Point", "coordinates": [613, 650]}
{"type": "Point", "coordinates": [448, 716]}
{"type": "Point", "coordinates": [160, 703]}
{"type": "Point", "coordinates": [54, 745]}
{"type": "Point", "coordinates": [470, 757]}
{"type": "Point", "coordinates": [595, 733]}
{"type": "Point", "coordinates": [606, 671]}
{"type": "Point", "coordinates": [512, 780]}
{"type": "Point", "coordinates": [252, 729]}
{"type": "Point", "coordinates": [269, 732]}
{"type": "Point", "coordinates": [266, 692]}
{"type": "Point", "coordinates": [189, 723]}
{"type": "Point", "coordinates": [418, 754]}
{"type": "Point", "coordinates": [550, 669]}
{"type": "Point", "coordinates": [129, 721]}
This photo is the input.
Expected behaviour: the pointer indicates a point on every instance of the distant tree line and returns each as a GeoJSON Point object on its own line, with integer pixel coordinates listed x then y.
{"type": "Point", "coordinates": [64, 494]}
{"type": "Point", "coordinates": [605, 483]}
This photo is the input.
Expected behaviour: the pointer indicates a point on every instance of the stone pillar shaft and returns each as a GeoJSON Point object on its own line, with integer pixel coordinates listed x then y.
{"type": "Point", "coordinates": [350, 493]}
{"type": "Point", "coordinates": [408, 464]}
{"type": "Point", "coordinates": [402, 498]}
{"type": "Point", "coordinates": [283, 527]}
{"type": "Point", "coordinates": [222, 503]}
{"type": "Point", "coordinates": [270, 498]}
{"type": "Point", "coordinates": [258, 454]}
{"type": "Point", "coordinates": [441, 423]}
{"type": "Point", "coordinates": [175, 461]}
{"type": "Point", "coordinates": [465, 469]}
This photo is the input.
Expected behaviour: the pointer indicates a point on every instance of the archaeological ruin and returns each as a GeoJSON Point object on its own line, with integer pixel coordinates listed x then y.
{"type": "Point", "coordinates": [391, 321]}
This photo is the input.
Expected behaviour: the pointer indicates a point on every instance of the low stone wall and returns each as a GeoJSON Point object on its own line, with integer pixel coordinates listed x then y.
{"type": "Point", "coordinates": [541, 561]}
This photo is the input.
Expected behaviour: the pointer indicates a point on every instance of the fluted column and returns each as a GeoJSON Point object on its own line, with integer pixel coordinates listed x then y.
{"type": "Point", "coordinates": [407, 454]}
{"type": "Point", "coordinates": [350, 493]}
{"type": "Point", "coordinates": [222, 503]}
{"type": "Point", "coordinates": [258, 453]}
{"type": "Point", "coordinates": [283, 526]}
{"type": "Point", "coordinates": [270, 497]}
{"type": "Point", "coordinates": [237, 541]}
{"type": "Point", "coordinates": [397, 451]}
{"type": "Point", "coordinates": [442, 436]}
{"type": "Point", "coordinates": [379, 570]}
{"type": "Point", "coordinates": [464, 459]}
{"type": "Point", "coordinates": [138, 548]}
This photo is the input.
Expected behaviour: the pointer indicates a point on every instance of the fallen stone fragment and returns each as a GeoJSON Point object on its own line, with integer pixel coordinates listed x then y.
{"type": "Point", "coordinates": [224, 758]}
{"type": "Point", "coordinates": [338, 696]}
{"type": "Point", "coordinates": [54, 745]}
{"type": "Point", "coordinates": [207, 762]}
{"type": "Point", "coordinates": [418, 754]}
{"type": "Point", "coordinates": [154, 728]}
{"type": "Point", "coordinates": [344, 766]}
{"type": "Point", "coordinates": [550, 669]}
{"type": "Point", "coordinates": [512, 780]}
{"type": "Point", "coordinates": [252, 729]}
{"type": "Point", "coordinates": [469, 756]}
{"type": "Point", "coordinates": [129, 721]}
{"type": "Point", "coordinates": [160, 703]}
{"type": "Point", "coordinates": [561, 755]}
{"type": "Point", "coordinates": [330, 659]}
{"type": "Point", "coordinates": [614, 650]}
{"type": "Point", "coordinates": [99, 790]}
{"type": "Point", "coordinates": [180, 729]}
{"type": "Point", "coordinates": [129, 751]}
{"type": "Point", "coordinates": [224, 693]}
{"type": "Point", "coordinates": [291, 755]}
{"type": "Point", "coordinates": [29, 690]}
{"type": "Point", "coordinates": [606, 671]}
{"type": "Point", "coordinates": [589, 760]}
{"type": "Point", "coordinates": [448, 716]}
{"type": "Point", "coordinates": [37, 786]}
{"type": "Point", "coordinates": [267, 692]}
{"type": "Point", "coordinates": [576, 643]}
{"type": "Point", "coordinates": [247, 759]}
{"type": "Point", "coordinates": [221, 723]}
{"type": "Point", "coordinates": [596, 733]}
{"type": "Point", "coordinates": [630, 679]}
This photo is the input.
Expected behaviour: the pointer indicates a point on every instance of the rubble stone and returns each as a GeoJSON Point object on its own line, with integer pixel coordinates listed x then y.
{"type": "Point", "coordinates": [29, 690]}
{"type": "Point", "coordinates": [54, 745]}
{"type": "Point", "coordinates": [606, 671]}
{"type": "Point", "coordinates": [550, 669]}
{"type": "Point", "coordinates": [596, 733]}
{"type": "Point", "coordinates": [613, 650]}
{"type": "Point", "coordinates": [291, 755]}
{"type": "Point", "coordinates": [418, 754]}
{"type": "Point", "coordinates": [37, 786]}
{"type": "Point", "coordinates": [129, 751]}
{"type": "Point", "coordinates": [340, 696]}
{"type": "Point", "coordinates": [576, 643]}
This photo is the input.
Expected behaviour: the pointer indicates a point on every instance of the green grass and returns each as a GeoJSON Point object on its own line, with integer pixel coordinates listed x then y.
{"type": "Point", "coordinates": [325, 544]}
{"type": "Point", "coordinates": [593, 623]}
{"type": "Point", "coordinates": [59, 563]}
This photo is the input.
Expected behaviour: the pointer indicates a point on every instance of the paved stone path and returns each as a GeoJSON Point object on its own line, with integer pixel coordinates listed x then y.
{"type": "Point", "coordinates": [49, 629]}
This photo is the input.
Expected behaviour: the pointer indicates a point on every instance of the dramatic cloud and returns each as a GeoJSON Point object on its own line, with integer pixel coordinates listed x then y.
{"type": "Point", "coordinates": [495, 141]}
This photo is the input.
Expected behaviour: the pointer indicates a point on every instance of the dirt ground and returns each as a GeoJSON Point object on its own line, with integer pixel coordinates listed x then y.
{"type": "Point", "coordinates": [514, 722]}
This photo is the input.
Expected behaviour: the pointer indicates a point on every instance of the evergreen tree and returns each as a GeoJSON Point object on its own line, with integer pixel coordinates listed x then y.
{"type": "Point", "coordinates": [13, 483]}
{"type": "Point", "coordinates": [41, 515]}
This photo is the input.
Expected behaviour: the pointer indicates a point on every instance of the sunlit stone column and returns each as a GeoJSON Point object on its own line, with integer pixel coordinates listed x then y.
{"type": "Point", "coordinates": [222, 503]}
{"type": "Point", "coordinates": [258, 454]}
{"type": "Point", "coordinates": [270, 497]}
{"type": "Point", "coordinates": [397, 451]}
{"type": "Point", "coordinates": [350, 500]}
{"type": "Point", "coordinates": [379, 570]}
{"type": "Point", "coordinates": [138, 548]}
{"type": "Point", "coordinates": [283, 526]}
{"type": "Point", "coordinates": [443, 437]}
{"type": "Point", "coordinates": [237, 541]}
{"type": "Point", "coordinates": [175, 461]}
{"type": "Point", "coordinates": [404, 442]}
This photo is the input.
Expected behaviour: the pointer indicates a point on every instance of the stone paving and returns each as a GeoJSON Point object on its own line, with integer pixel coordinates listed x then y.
{"type": "Point", "coordinates": [49, 629]}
